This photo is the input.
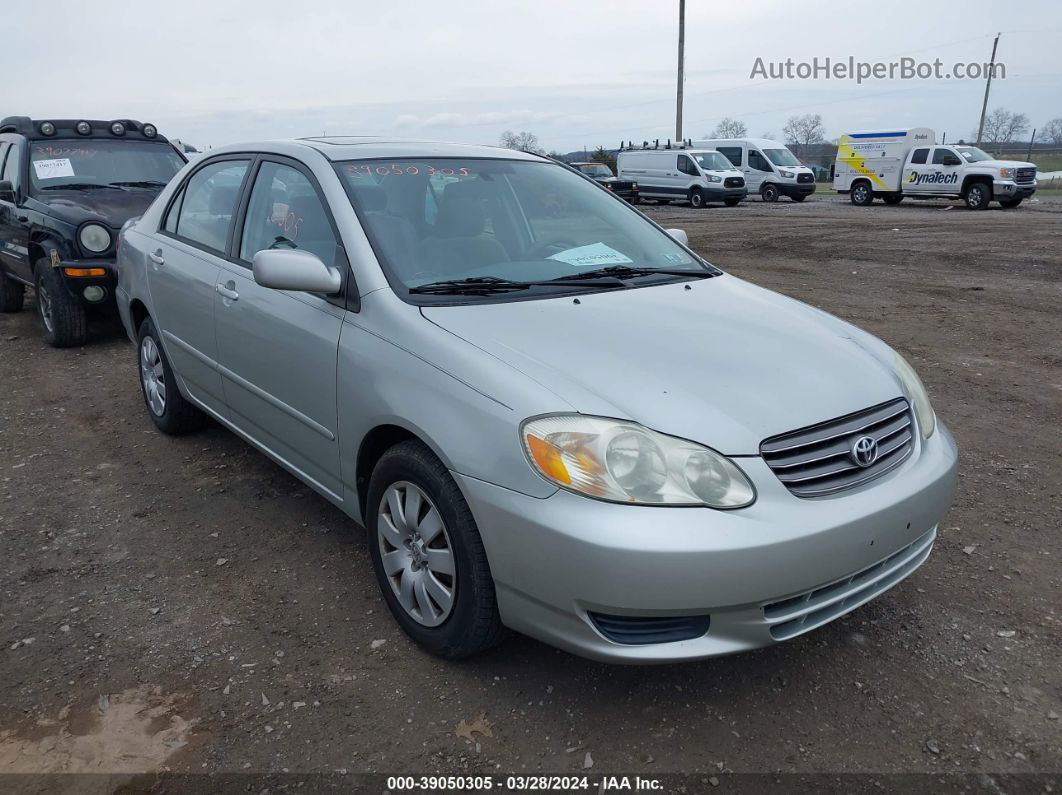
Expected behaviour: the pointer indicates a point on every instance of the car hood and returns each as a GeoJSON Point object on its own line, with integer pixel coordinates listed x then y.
{"type": "Point", "coordinates": [1004, 164]}
{"type": "Point", "coordinates": [111, 207]}
{"type": "Point", "coordinates": [724, 363]}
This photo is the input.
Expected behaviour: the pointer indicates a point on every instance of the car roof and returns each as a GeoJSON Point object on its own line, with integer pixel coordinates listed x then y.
{"type": "Point", "coordinates": [349, 147]}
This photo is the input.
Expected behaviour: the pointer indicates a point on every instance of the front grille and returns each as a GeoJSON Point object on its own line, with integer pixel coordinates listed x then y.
{"type": "Point", "coordinates": [734, 182]}
{"type": "Point", "coordinates": [642, 630]}
{"type": "Point", "coordinates": [1025, 175]}
{"type": "Point", "coordinates": [818, 460]}
{"type": "Point", "coordinates": [805, 177]}
{"type": "Point", "coordinates": [801, 613]}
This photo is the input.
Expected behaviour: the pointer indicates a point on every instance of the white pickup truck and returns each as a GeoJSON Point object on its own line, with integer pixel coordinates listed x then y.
{"type": "Point", "coordinates": [896, 164]}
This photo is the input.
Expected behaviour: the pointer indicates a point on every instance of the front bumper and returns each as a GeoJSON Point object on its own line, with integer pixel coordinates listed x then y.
{"type": "Point", "coordinates": [556, 560]}
{"type": "Point", "coordinates": [75, 285]}
{"type": "Point", "coordinates": [715, 194]}
{"type": "Point", "coordinates": [1007, 189]}
{"type": "Point", "coordinates": [792, 189]}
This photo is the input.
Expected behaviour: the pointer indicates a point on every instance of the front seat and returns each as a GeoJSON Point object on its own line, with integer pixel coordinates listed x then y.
{"type": "Point", "coordinates": [393, 235]}
{"type": "Point", "coordinates": [458, 242]}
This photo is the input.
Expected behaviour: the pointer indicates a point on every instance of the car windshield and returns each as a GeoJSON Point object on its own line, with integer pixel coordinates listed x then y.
{"type": "Point", "coordinates": [781, 157]}
{"type": "Point", "coordinates": [596, 170]}
{"type": "Point", "coordinates": [713, 161]}
{"type": "Point", "coordinates": [130, 164]}
{"type": "Point", "coordinates": [973, 154]}
{"type": "Point", "coordinates": [443, 219]}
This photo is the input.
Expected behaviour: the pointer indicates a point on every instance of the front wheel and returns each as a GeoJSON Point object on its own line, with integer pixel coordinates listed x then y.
{"type": "Point", "coordinates": [696, 199]}
{"type": "Point", "coordinates": [861, 195]}
{"type": "Point", "coordinates": [799, 197]}
{"type": "Point", "coordinates": [12, 294]}
{"type": "Point", "coordinates": [978, 196]}
{"type": "Point", "coordinates": [770, 192]}
{"type": "Point", "coordinates": [167, 407]}
{"type": "Point", "coordinates": [731, 202]}
{"type": "Point", "coordinates": [1009, 204]}
{"type": "Point", "coordinates": [428, 556]}
{"type": "Point", "coordinates": [61, 315]}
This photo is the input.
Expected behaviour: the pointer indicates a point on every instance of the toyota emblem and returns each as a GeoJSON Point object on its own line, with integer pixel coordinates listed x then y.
{"type": "Point", "coordinates": [864, 451]}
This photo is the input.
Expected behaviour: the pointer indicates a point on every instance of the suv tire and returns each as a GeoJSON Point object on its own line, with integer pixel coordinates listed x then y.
{"type": "Point", "coordinates": [167, 407]}
{"type": "Point", "coordinates": [1009, 204]}
{"type": "Point", "coordinates": [770, 192]}
{"type": "Point", "coordinates": [61, 315]}
{"type": "Point", "coordinates": [409, 477]}
{"type": "Point", "coordinates": [697, 198]}
{"type": "Point", "coordinates": [978, 195]}
{"type": "Point", "coordinates": [731, 202]}
{"type": "Point", "coordinates": [12, 293]}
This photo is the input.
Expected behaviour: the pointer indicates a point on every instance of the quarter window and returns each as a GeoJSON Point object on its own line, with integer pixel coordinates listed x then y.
{"type": "Point", "coordinates": [732, 153]}
{"type": "Point", "coordinates": [285, 211]}
{"type": "Point", "coordinates": [919, 156]}
{"type": "Point", "coordinates": [208, 202]}
{"type": "Point", "coordinates": [758, 161]}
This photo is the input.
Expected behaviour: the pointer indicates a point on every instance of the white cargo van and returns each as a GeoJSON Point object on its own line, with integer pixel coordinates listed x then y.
{"type": "Point", "coordinates": [769, 167]}
{"type": "Point", "coordinates": [695, 175]}
{"type": "Point", "coordinates": [895, 164]}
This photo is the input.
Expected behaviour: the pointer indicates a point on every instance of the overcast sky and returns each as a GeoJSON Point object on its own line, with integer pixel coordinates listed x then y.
{"type": "Point", "coordinates": [575, 73]}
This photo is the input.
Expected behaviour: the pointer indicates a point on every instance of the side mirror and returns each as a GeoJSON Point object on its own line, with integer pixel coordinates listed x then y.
{"type": "Point", "coordinates": [680, 235]}
{"type": "Point", "coordinates": [292, 269]}
{"type": "Point", "coordinates": [7, 191]}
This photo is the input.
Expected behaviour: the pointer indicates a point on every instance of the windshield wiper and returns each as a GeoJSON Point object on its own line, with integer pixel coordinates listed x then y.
{"type": "Point", "coordinates": [483, 285]}
{"type": "Point", "coordinates": [75, 186]}
{"type": "Point", "coordinates": [141, 183]}
{"type": "Point", "coordinates": [628, 272]}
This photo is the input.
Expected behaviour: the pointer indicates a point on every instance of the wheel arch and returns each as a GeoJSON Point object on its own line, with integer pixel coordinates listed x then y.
{"type": "Point", "coordinates": [970, 179]}
{"type": "Point", "coordinates": [373, 445]}
{"type": "Point", "coordinates": [138, 313]}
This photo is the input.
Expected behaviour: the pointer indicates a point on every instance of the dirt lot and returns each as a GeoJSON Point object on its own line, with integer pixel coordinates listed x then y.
{"type": "Point", "coordinates": [186, 604]}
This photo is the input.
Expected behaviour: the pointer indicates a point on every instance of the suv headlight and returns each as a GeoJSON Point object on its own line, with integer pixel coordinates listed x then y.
{"type": "Point", "coordinates": [786, 174]}
{"type": "Point", "coordinates": [927, 420]}
{"type": "Point", "coordinates": [94, 237]}
{"type": "Point", "coordinates": [714, 178]}
{"type": "Point", "coordinates": [624, 462]}
{"type": "Point", "coordinates": [1006, 173]}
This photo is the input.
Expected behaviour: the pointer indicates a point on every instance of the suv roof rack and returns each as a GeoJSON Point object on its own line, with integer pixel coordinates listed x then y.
{"type": "Point", "coordinates": [97, 128]}
{"type": "Point", "coordinates": [686, 143]}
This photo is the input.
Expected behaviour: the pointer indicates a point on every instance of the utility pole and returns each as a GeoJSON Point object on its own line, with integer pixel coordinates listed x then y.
{"type": "Point", "coordinates": [988, 86]}
{"type": "Point", "coordinates": [681, 69]}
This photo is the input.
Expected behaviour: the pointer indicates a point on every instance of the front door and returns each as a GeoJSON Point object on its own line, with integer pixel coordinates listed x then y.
{"type": "Point", "coordinates": [14, 233]}
{"type": "Point", "coordinates": [278, 349]}
{"type": "Point", "coordinates": [941, 174]}
{"type": "Point", "coordinates": [757, 169]}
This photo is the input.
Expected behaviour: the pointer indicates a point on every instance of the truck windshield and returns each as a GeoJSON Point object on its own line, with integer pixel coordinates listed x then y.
{"type": "Point", "coordinates": [973, 154]}
{"type": "Point", "coordinates": [596, 170]}
{"type": "Point", "coordinates": [713, 161]}
{"type": "Point", "coordinates": [102, 163]}
{"type": "Point", "coordinates": [435, 219]}
{"type": "Point", "coordinates": [781, 157]}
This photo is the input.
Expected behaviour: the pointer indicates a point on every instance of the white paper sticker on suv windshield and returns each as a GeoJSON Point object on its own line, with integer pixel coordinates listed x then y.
{"type": "Point", "coordinates": [594, 255]}
{"type": "Point", "coordinates": [50, 169]}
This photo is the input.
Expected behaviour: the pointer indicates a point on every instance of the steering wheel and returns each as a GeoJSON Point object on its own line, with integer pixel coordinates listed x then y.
{"type": "Point", "coordinates": [543, 250]}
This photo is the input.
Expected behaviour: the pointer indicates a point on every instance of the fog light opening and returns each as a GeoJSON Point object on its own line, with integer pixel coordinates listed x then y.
{"type": "Point", "coordinates": [94, 294]}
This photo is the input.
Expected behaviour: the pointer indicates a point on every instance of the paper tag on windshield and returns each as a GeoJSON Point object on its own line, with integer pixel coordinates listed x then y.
{"type": "Point", "coordinates": [594, 255]}
{"type": "Point", "coordinates": [50, 169]}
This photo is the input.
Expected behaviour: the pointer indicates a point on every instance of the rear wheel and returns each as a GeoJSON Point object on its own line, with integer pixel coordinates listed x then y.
{"type": "Point", "coordinates": [696, 198]}
{"type": "Point", "coordinates": [861, 195]}
{"type": "Point", "coordinates": [731, 202]}
{"type": "Point", "coordinates": [892, 198]}
{"type": "Point", "coordinates": [798, 197]}
{"type": "Point", "coordinates": [62, 316]}
{"type": "Point", "coordinates": [168, 409]}
{"type": "Point", "coordinates": [1009, 204]}
{"type": "Point", "coordinates": [770, 192]}
{"type": "Point", "coordinates": [978, 196]}
{"type": "Point", "coordinates": [12, 294]}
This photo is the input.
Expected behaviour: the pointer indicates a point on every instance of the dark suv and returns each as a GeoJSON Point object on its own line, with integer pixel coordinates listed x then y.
{"type": "Point", "coordinates": [602, 174]}
{"type": "Point", "coordinates": [66, 188]}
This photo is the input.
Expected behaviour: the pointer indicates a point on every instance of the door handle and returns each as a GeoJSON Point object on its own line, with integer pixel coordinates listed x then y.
{"type": "Point", "coordinates": [156, 257]}
{"type": "Point", "coordinates": [228, 291]}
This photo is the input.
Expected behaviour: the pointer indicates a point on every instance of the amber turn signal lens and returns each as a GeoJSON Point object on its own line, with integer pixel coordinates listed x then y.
{"type": "Point", "coordinates": [85, 271]}
{"type": "Point", "coordinates": [548, 458]}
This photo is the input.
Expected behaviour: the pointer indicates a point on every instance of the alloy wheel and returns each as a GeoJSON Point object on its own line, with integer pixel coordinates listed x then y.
{"type": "Point", "coordinates": [153, 376]}
{"type": "Point", "coordinates": [44, 306]}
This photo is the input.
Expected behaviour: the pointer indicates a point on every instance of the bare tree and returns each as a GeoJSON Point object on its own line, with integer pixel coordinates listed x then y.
{"type": "Point", "coordinates": [1002, 126]}
{"type": "Point", "coordinates": [802, 131]}
{"type": "Point", "coordinates": [729, 128]}
{"type": "Point", "coordinates": [523, 141]}
{"type": "Point", "coordinates": [1052, 131]}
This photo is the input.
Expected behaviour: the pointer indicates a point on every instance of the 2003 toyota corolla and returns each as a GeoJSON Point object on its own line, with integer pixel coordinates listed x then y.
{"type": "Point", "coordinates": [550, 413]}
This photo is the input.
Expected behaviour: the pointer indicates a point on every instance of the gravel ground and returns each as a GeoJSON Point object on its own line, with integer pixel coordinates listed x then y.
{"type": "Point", "coordinates": [184, 604]}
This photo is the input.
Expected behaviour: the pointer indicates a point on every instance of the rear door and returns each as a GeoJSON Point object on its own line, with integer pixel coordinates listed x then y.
{"type": "Point", "coordinates": [277, 349]}
{"type": "Point", "coordinates": [185, 260]}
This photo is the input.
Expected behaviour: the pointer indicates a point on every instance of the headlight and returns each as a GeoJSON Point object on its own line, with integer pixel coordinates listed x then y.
{"type": "Point", "coordinates": [927, 420]}
{"type": "Point", "coordinates": [1006, 173]}
{"type": "Point", "coordinates": [94, 237]}
{"type": "Point", "coordinates": [714, 178]}
{"type": "Point", "coordinates": [624, 462]}
{"type": "Point", "coordinates": [634, 186]}
{"type": "Point", "coordinates": [786, 174]}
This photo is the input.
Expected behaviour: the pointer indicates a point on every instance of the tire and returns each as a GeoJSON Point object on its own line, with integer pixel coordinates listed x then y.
{"type": "Point", "coordinates": [892, 198]}
{"type": "Point", "coordinates": [61, 316]}
{"type": "Point", "coordinates": [410, 474]}
{"type": "Point", "coordinates": [1009, 204]}
{"type": "Point", "coordinates": [731, 202]}
{"type": "Point", "coordinates": [172, 414]}
{"type": "Point", "coordinates": [861, 195]}
{"type": "Point", "coordinates": [12, 294]}
{"type": "Point", "coordinates": [696, 199]}
{"type": "Point", "coordinates": [636, 200]}
{"type": "Point", "coordinates": [770, 192]}
{"type": "Point", "coordinates": [799, 197]}
{"type": "Point", "coordinates": [978, 196]}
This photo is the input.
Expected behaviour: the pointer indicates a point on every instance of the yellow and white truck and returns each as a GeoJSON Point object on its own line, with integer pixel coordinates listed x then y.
{"type": "Point", "coordinates": [895, 164]}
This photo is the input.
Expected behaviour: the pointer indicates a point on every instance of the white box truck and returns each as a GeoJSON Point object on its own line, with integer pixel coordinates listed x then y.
{"type": "Point", "coordinates": [680, 173]}
{"type": "Point", "coordinates": [769, 167]}
{"type": "Point", "coordinates": [895, 164]}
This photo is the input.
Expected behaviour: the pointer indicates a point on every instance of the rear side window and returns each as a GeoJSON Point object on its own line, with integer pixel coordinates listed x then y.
{"type": "Point", "coordinates": [919, 156]}
{"type": "Point", "coordinates": [286, 211]}
{"type": "Point", "coordinates": [758, 161]}
{"type": "Point", "coordinates": [732, 153]}
{"type": "Point", "coordinates": [208, 202]}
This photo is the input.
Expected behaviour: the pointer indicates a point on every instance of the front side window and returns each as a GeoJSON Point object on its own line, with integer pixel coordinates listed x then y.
{"type": "Point", "coordinates": [208, 203]}
{"type": "Point", "coordinates": [88, 164]}
{"type": "Point", "coordinates": [10, 172]}
{"type": "Point", "coordinates": [685, 165]}
{"type": "Point", "coordinates": [444, 219]}
{"type": "Point", "coordinates": [758, 161]}
{"type": "Point", "coordinates": [731, 153]}
{"type": "Point", "coordinates": [942, 157]}
{"type": "Point", "coordinates": [713, 161]}
{"type": "Point", "coordinates": [286, 211]}
{"type": "Point", "coordinates": [919, 157]}
{"type": "Point", "coordinates": [781, 157]}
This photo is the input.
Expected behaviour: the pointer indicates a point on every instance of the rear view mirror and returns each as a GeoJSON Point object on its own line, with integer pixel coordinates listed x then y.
{"type": "Point", "coordinates": [293, 269]}
{"type": "Point", "coordinates": [679, 235]}
{"type": "Point", "coordinates": [7, 191]}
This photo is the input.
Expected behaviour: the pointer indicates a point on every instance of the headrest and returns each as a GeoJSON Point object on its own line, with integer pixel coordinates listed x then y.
{"type": "Point", "coordinates": [370, 198]}
{"type": "Point", "coordinates": [463, 213]}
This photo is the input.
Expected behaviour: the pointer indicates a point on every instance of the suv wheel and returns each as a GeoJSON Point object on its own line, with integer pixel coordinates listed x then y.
{"type": "Point", "coordinates": [769, 192]}
{"type": "Point", "coordinates": [12, 294]}
{"type": "Point", "coordinates": [62, 316]}
{"type": "Point", "coordinates": [696, 198]}
{"type": "Point", "coordinates": [978, 196]}
{"type": "Point", "coordinates": [861, 195]}
{"type": "Point", "coordinates": [428, 556]}
{"type": "Point", "coordinates": [732, 202]}
{"type": "Point", "coordinates": [167, 407]}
